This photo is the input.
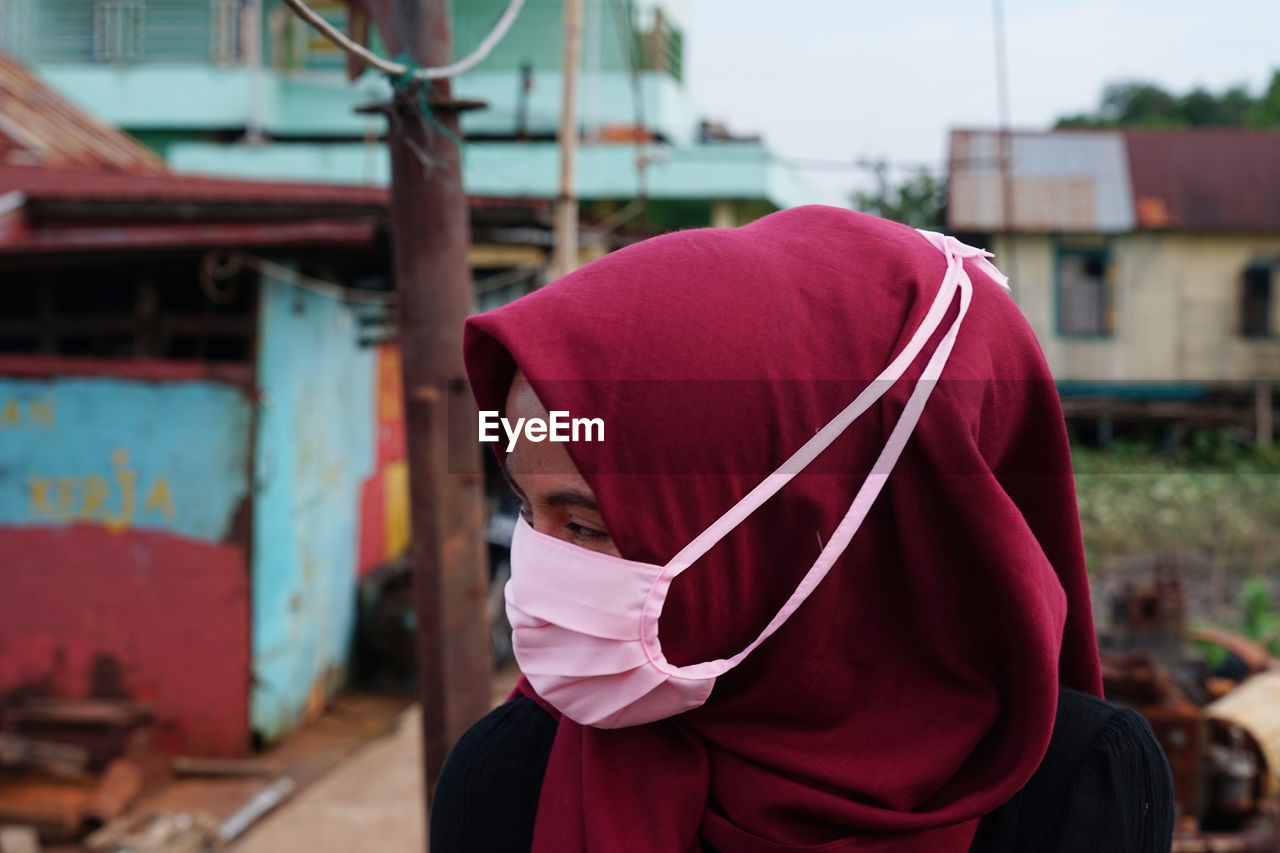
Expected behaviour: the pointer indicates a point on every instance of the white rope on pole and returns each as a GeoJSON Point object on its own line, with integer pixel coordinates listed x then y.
{"type": "Point", "coordinates": [396, 69]}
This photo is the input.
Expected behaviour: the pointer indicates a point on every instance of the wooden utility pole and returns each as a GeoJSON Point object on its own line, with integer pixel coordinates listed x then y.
{"type": "Point", "coordinates": [565, 257]}
{"type": "Point", "coordinates": [430, 238]}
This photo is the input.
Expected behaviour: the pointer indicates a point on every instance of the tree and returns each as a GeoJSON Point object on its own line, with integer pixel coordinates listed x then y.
{"type": "Point", "coordinates": [1265, 112]}
{"type": "Point", "coordinates": [1139, 104]}
{"type": "Point", "coordinates": [919, 201]}
{"type": "Point", "coordinates": [1234, 106]}
{"type": "Point", "coordinates": [1144, 104]}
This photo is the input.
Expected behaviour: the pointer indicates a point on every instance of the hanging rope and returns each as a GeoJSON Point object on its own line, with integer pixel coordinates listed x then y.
{"type": "Point", "coordinates": [410, 82]}
{"type": "Point", "coordinates": [399, 70]}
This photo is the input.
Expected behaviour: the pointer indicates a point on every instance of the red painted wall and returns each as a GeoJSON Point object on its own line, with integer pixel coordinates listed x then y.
{"type": "Point", "coordinates": [159, 618]}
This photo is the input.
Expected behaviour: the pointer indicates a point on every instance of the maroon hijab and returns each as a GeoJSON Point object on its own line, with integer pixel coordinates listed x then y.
{"type": "Point", "coordinates": [915, 691]}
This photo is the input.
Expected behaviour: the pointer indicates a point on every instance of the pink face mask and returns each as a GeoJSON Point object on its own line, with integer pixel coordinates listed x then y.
{"type": "Point", "coordinates": [585, 624]}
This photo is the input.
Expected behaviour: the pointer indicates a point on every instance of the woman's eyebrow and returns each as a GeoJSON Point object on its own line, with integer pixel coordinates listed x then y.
{"type": "Point", "coordinates": [572, 497]}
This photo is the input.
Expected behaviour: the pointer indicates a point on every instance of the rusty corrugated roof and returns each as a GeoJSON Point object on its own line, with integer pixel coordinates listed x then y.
{"type": "Point", "coordinates": [1076, 181]}
{"type": "Point", "coordinates": [82, 185]}
{"type": "Point", "coordinates": [38, 126]}
{"type": "Point", "coordinates": [1206, 180]}
{"type": "Point", "coordinates": [55, 210]}
{"type": "Point", "coordinates": [59, 188]}
{"type": "Point", "coordinates": [1112, 181]}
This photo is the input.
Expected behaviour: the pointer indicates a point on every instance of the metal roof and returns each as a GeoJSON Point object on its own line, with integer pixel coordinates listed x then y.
{"type": "Point", "coordinates": [40, 127]}
{"type": "Point", "coordinates": [48, 209]}
{"type": "Point", "coordinates": [1112, 181]}
{"type": "Point", "coordinates": [1206, 180]}
{"type": "Point", "coordinates": [82, 185]}
{"type": "Point", "coordinates": [64, 239]}
{"type": "Point", "coordinates": [1075, 181]}
{"type": "Point", "coordinates": [69, 182]}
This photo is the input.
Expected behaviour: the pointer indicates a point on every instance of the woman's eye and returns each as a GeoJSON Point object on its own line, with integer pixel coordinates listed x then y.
{"type": "Point", "coordinates": [581, 532]}
{"type": "Point", "coordinates": [526, 514]}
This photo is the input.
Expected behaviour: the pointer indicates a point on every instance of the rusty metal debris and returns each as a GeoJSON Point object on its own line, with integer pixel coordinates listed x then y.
{"type": "Point", "coordinates": [117, 788]}
{"type": "Point", "coordinates": [57, 759]}
{"type": "Point", "coordinates": [64, 809]}
{"type": "Point", "coordinates": [1219, 729]}
{"type": "Point", "coordinates": [187, 765]}
{"type": "Point", "coordinates": [258, 806]}
{"type": "Point", "coordinates": [149, 833]}
{"type": "Point", "coordinates": [187, 832]}
{"type": "Point", "coordinates": [1251, 653]}
{"type": "Point", "coordinates": [68, 767]}
{"type": "Point", "coordinates": [102, 727]}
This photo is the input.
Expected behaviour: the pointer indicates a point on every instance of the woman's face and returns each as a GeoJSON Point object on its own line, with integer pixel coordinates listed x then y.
{"type": "Point", "coordinates": [554, 498]}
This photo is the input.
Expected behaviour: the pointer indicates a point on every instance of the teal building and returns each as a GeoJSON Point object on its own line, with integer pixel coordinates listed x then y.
{"type": "Point", "coordinates": [242, 88]}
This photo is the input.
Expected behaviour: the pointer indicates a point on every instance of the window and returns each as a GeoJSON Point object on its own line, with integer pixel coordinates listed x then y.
{"type": "Point", "coordinates": [227, 36]}
{"type": "Point", "coordinates": [1255, 302]}
{"type": "Point", "coordinates": [118, 30]}
{"type": "Point", "coordinates": [295, 45]}
{"type": "Point", "coordinates": [125, 310]}
{"type": "Point", "coordinates": [15, 26]}
{"type": "Point", "coordinates": [1084, 293]}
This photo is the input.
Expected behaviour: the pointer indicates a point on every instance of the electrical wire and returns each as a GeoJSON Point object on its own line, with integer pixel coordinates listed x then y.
{"type": "Point", "coordinates": [397, 69]}
{"type": "Point", "coordinates": [619, 217]}
{"type": "Point", "coordinates": [497, 281]}
{"type": "Point", "coordinates": [316, 285]}
{"type": "Point", "coordinates": [710, 152]}
{"type": "Point", "coordinates": [217, 267]}
{"type": "Point", "coordinates": [624, 23]}
{"type": "Point", "coordinates": [727, 155]}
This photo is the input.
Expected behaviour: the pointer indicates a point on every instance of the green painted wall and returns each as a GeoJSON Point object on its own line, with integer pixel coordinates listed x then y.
{"type": "Point", "coordinates": [177, 97]}
{"type": "Point", "coordinates": [140, 98]}
{"type": "Point", "coordinates": [537, 35]}
{"type": "Point", "coordinates": [63, 32]}
{"type": "Point", "coordinates": [720, 171]}
{"type": "Point", "coordinates": [612, 31]}
{"type": "Point", "coordinates": [58, 31]}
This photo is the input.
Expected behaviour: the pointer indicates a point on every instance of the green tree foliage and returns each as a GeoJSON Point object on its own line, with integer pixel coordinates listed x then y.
{"type": "Point", "coordinates": [1143, 104]}
{"type": "Point", "coordinates": [1265, 112]}
{"type": "Point", "coordinates": [919, 201]}
{"type": "Point", "coordinates": [1260, 621]}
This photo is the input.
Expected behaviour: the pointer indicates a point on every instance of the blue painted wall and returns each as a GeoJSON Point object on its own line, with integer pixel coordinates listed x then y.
{"type": "Point", "coordinates": [167, 456]}
{"type": "Point", "coordinates": [315, 447]}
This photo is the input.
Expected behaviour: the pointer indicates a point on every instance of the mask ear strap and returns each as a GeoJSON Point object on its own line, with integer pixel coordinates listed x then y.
{"type": "Point", "coordinates": [955, 278]}
{"type": "Point", "coordinates": [955, 251]}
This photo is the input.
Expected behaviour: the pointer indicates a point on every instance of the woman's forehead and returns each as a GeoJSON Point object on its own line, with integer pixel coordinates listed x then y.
{"type": "Point", "coordinates": [522, 401]}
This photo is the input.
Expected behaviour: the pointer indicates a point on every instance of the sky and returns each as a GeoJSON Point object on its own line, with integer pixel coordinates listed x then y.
{"type": "Point", "coordinates": [850, 79]}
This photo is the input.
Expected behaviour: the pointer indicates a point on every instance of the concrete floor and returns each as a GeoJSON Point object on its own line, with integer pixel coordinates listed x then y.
{"type": "Point", "coordinates": [371, 803]}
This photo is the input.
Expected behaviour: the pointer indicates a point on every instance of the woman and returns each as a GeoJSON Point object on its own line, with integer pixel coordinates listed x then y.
{"type": "Point", "coordinates": [820, 587]}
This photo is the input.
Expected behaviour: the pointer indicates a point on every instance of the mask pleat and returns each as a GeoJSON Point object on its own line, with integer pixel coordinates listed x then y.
{"type": "Point", "coordinates": [603, 658]}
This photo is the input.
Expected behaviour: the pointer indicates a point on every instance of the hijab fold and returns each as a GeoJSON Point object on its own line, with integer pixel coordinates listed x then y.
{"type": "Point", "coordinates": [915, 691]}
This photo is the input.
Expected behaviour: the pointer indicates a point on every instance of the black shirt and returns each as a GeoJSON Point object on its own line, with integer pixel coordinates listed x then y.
{"type": "Point", "coordinates": [1103, 786]}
